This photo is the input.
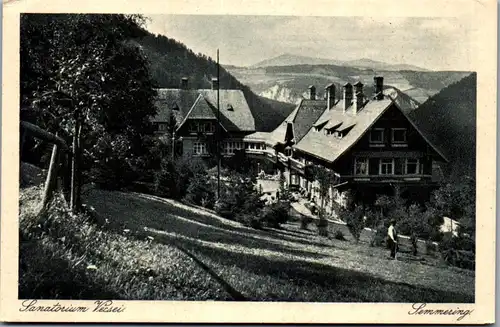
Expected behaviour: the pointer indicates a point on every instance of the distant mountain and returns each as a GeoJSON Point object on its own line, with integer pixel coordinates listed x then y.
{"type": "Point", "coordinates": [379, 65]}
{"type": "Point", "coordinates": [449, 118]}
{"type": "Point", "coordinates": [287, 83]}
{"type": "Point", "coordinates": [171, 60]}
{"type": "Point", "coordinates": [290, 60]}
{"type": "Point", "coordinates": [293, 91]}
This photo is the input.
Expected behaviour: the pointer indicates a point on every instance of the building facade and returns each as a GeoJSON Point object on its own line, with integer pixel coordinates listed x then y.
{"type": "Point", "coordinates": [368, 143]}
{"type": "Point", "coordinates": [198, 126]}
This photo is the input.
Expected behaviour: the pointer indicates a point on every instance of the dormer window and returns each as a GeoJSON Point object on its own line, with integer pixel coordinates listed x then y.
{"type": "Point", "coordinates": [398, 136]}
{"type": "Point", "coordinates": [229, 107]}
{"type": "Point", "coordinates": [175, 106]}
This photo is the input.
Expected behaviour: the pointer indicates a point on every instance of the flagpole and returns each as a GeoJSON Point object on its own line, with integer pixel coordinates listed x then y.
{"type": "Point", "coordinates": [218, 128]}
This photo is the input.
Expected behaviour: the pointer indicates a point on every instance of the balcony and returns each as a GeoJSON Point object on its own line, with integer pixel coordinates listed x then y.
{"type": "Point", "coordinates": [383, 179]}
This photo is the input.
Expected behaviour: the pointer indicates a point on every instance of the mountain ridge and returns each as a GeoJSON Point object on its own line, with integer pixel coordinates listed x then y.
{"type": "Point", "coordinates": [287, 59]}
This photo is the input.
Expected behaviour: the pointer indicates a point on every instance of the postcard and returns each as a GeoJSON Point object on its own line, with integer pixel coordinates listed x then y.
{"type": "Point", "coordinates": [249, 162]}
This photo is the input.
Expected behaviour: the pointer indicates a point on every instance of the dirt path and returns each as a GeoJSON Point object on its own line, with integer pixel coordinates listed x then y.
{"type": "Point", "coordinates": [289, 256]}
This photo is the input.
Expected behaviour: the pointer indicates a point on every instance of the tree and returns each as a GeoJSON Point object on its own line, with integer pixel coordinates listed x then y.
{"type": "Point", "coordinates": [354, 218]}
{"type": "Point", "coordinates": [415, 225]}
{"type": "Point", "coordinates": [81, 76]}
{"type": "Point", "coordinates": [201, 191]}
{"type": "Point", "coordinates": [457, 200]}
{"type": "Point", "coordinates": [325, 179]}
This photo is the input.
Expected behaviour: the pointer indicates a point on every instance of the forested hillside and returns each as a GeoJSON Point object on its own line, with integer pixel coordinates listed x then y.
{"type": "Point", "coordinates": [171, 60]}
{"type": "Point", "coordinates": [449, 118]}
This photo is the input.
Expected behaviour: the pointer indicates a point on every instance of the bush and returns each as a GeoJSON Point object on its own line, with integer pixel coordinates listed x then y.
{"type": "Point", "coordinates": [430, 247]}
{"type": "Point", "coordinates": [305, 221]}
{"type": "Point", "coordinates": [355, 221]}
{"type": "Point", "coordinates": [166, 180]}
{"type": "Point", "coordinates": [339, 235]}
{"type": "Point", "coordinates": [458, 251]}
{"type": "Point", "coordinates": [201, 191]}
{"type": "Point", "coordinates": [239, 198]}
{"type": "Point", "coordinates": [276, 214]}
{"type": "Point", "coordinates": [323, 227]}
{"type": "Point", "coordinates": [379, 236]}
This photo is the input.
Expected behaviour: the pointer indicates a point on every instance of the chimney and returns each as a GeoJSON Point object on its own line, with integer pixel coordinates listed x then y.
{"type": "Point", "coordinates": [347, 95]}
{"type": "Point", "coordinates": [184, 83]}
{"type": "Point", "coordinates": [330, 95]}
{"type": "Point", "coordinates": [358, 94]}
{"type": "Point", "coordinates": [312, 92]}
{"type": "Point", "coordinates": [378, 86]}
{"type": "Point", "coordinates": [215, 83]}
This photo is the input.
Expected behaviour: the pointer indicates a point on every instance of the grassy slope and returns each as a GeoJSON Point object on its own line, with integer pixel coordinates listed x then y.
{"type": "Point", "coordinates": [133, 241]}
{"type": "Point", "coordinates": [289, 264]}
{"type": "Point", "coordinates": [57, 254]}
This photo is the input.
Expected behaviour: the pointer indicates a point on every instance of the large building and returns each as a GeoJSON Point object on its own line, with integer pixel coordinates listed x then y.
{"type": "Point", "coordinates": [368, 142]}
{"type": "Point", "coordinates": [193, 115]}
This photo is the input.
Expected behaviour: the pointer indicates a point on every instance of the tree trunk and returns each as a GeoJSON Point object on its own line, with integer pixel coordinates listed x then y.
{"type": "Point", "coordinates": [74, 168]}
{"type": "Point", "coordinates": [79, 181]}
{"type": "Point", "coordinates": [50, 183]}
{"type": "Point", "coordinates": [66, 176]}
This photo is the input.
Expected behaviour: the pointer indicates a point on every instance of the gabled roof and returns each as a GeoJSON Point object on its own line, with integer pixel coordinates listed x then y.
{"type": "Point", "coordinates": [202, 104]}
{"type": "Point", "coordinates": [302, 119]}
{"type": "Point", "coordinates": [330, 148]}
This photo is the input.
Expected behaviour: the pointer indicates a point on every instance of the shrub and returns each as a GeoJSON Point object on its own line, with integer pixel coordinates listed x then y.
{"type": "Point", "coordinates": [251, 221]}
{"type": "Point", "coordinates": [379, 236]}
{"type": "Point", "coordinates": [201, 191]}
{"type": "Point", "coordinates": [458, 251]}
{"type": "Point", "coordinates": [305, 221]}
{"type": "Point", "coordinates": [339, 235]}
{"type": "Point", "coordinates": [166, 180]}
{"type": "Point", "coordinates": [276, 214]}
{"type": "Point", "coordinates": [430, 247]}
{"type": "Point", "coordinates": [239, 198]}
{"type": "Point", "coordinates": [355, 221]}
{"type": "Point", "coordinates": [323, 227]}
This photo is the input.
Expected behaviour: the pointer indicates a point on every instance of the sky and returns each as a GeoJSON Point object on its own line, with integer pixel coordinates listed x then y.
{"type": "Point", "coordinates": [431, 43]}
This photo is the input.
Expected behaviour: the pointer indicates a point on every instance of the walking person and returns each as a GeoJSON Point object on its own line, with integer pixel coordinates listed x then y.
{"type": "Point", "coordinates": [392, 239]}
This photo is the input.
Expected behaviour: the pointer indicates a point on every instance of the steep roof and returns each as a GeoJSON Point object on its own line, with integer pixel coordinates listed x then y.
{"type": "Point", "coordinates": [329, 147]}
{"type": "Point", "coordinates": [302, 119]}
{"type": "Point", "coordinates": [202, 104]}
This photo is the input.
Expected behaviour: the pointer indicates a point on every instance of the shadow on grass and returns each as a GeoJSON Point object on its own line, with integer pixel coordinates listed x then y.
{"type": "Point", "coordinates": [127, 211]}
{"type": "Point", "coordinates": [44, 273]}
{"type": "Point", "coordinates": [331, 283]}
{"type": "Point", "coordinates": [340, 285]}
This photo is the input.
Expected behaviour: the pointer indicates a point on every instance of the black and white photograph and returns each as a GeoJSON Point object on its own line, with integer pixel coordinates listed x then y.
{"type": "Point", "coordinates": [247, 158]}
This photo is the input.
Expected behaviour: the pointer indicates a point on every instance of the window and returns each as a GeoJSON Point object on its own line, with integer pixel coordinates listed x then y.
{"type": "Point", "coordinates": [162, 127]}
{"type": "Point", "coordinates": [398, 135]}
{"type": "Point", "coordinates": [288, 152]}
{"type": "Point", "coordinates": [193, 127]}
{"type": "Point", "coordinates": [361, 166]}
{"type": "Point", "coordinates": [386, 167]}
{"type": "Point", "coordinates": [230, 147]}
{"type": "Point", "coordinates": [377, 135]}
{"type": "Point", "coordinates": [412, 167]}
{"type": "Point", "coordinates": [209, 127]}
{"type": "Point", "coordinates": [200, 148]}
